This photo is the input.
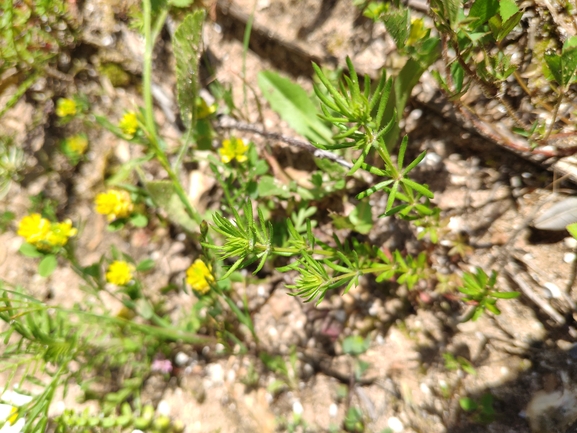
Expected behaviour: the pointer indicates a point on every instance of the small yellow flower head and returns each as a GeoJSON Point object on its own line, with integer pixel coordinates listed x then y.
{"type": "Point", "coordinates": [66, 107]}
{"type": "Point", "coordinates": [233, 148]}
{"type": "Point", "coordinates": [119, 273]}
{"type": "Point", "coordinates": [114, 204]}
{"type": "Point", "coordinates": [60, 233]}
{"type": "Point", "coordinates": [129, 124]}
{"type": "Point", "coordinates": [199, 276]}
{"type": "Point", "coordinates": [203, 110]}
{"type": "Point", "coordinates": [13, 415]}
{"type": "Point", "coordinates": [77, 144]}
{"type": "Point", "coordinates": [34, 229]}
{"type": "Point", "coordinates": [44, 234]}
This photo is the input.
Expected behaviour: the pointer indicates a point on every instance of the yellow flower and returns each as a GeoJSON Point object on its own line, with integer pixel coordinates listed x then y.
{"type": "Point", "coordinates": [44, 234]}
{"type": "Point", "coordinates": [60, 233]}
{"type": "Point", "coordinates": [65, 107]}
{"type": "Point", "coordinates": [199, 276]}
{"type": "Point", "coordinates": [77, 144]}
{"type": "Point", "coordinates": [13, 415]}
{"type": "Point", "coordinates": [34, 229]}
{"type": "Point", "coordinates": [203, 110]}
{"type": "Point", "coordinates": [129, 124]}
{"type": "Point", "coordinates": [114, 204]}
{"type": "Point", "coordinates": [119, 273]}
{"type": "Point", "coordinates": [233, 149]}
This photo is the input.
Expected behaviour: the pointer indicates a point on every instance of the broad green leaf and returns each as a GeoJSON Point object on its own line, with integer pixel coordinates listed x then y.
{"type": "Point", "coordinates": [507, 8]}
{"type": "Point", "coordinates": [569, 61]}
{"type": "Point", "coordinates": [483, 10]}
{"type": "Point", "coordinates": [467, 404]}
{"type": "Point", "coordinates": [355, 345]}
{"type": "Point", "coordinates": [572, 229]}
{"type": "Point", "coordinates": [164, 195]}
{"type": "Point", "coordinates": [293, 104]}
{"type": "Point", "coordinates": [29, 250]}
{"type": "Point", "coordinates": [398, 24]}
{"type": "Point", "coordinates": [554, 64]}
{"type": "Point", "coordinates": [268, 186]}
{"type": "Point", "coordinates": [186, 45]}
{"type": "Point", "coordinates": [47, 265]}
{"type": "Point", "coordinates": [139, 220]}
{"type": "Point", "coordinates": [361, 218]}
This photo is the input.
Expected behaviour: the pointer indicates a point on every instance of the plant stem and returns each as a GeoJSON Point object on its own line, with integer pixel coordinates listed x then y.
{"type": "Point", "coordinates": [149, 38]}
{"type": "Point", "coordinates": [554, 117]}
{"type": "Point", "coordinates": [147, 71]}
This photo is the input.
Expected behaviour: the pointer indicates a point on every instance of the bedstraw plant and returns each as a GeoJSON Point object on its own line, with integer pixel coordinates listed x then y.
{"type": "Point", "coordinates": [262, 224]}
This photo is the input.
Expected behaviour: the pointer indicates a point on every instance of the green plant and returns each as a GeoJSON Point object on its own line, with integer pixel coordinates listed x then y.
{"type": "Point", "coordinates": [265, 220]}
{"type": "Point", "coordinates": [480, 411]}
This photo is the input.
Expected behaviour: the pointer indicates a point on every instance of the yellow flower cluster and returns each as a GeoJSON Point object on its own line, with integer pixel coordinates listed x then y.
{"type": "Point", "coordinates": [129, 124]}
{"type": "Point", "coordinates": [203, 110]}
{"type": "Point", "coordinates": [233, 148]}
{"type": "Point", "coordinates": [199, 276]}
{"type": "Point", "coordinates": [66, 107]}
{"type": "Point", "coordinates": [43, 234]}
{"type": "Point", "coordinates": [114, 204]}
{"type": "Point", "coordinates": [119, 273]}
{"type": "Point", "coordinates": [77, 144]}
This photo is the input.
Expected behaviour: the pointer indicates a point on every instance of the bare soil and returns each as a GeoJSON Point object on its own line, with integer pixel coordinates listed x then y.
{"type": "Point", "coordinates": [489, 194]}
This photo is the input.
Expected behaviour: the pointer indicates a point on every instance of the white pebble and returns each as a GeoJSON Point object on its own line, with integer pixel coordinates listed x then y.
{"type": "Point", "coordinates": [395, 424]}
{"type": "Point", "coordinates": [215, 373]}
{"type": "Point", "coordinates": [570, 242]}
{"type": "Point", "coordinates": [163, 408]}
{"type": "Point", "coordinates": [297, 408]}
{"type": "Point", "coordinates": [333, 410]}
{"type": "Point", "coordinates": [553, 290]}
{"type": "Point", "coordinates": [425, 388]}
{"type": "Point", "coordinates": [569, 257]}
{"type": "Point", "coordinates": [181, 359]}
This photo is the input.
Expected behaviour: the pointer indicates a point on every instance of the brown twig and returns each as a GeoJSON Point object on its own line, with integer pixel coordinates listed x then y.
{"type": "Point", "coordinates": [226, 122]}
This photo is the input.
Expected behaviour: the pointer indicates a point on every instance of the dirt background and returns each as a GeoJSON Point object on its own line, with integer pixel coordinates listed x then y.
{"type": "Point", "coordinates": [488, 194]}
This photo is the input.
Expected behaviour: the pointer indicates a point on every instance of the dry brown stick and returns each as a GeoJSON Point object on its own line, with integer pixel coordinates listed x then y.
{"type": "Point", "coordinates": [226, 122]}
{"type": "Point", "coordinates": [522, 279]}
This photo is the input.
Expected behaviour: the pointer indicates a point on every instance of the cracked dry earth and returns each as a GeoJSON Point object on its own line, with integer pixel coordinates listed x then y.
{"type": "Point", "coordinates": [525, 358]}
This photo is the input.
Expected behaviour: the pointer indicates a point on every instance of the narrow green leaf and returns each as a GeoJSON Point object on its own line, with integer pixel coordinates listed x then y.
{"type": "Point", "coordinates": [421, 189]}
{"type": "Point", "coordinates": [145, 265]}
{"type": "Point", "coordinates": [506, 295]}
{"type": "Point", "coordinates": [186, 45]}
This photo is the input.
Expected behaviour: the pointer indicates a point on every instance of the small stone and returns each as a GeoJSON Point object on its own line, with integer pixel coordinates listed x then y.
{"type": "Point", "coordinates": [333, 410]}
{"type": "Point", "coordinates": [395, 425]}
{"type": "Point", "coordinates": [569, 257]}
{"type": "Point", "coordinates": [297, 408]}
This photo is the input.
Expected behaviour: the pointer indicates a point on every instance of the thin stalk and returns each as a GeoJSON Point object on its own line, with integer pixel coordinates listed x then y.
{"type": "Point", "coordinates": [149, 37]}
{"type": "Point", "coordinates": [147, 71]}
{"type": "Point", "coordinates": [555, 111]}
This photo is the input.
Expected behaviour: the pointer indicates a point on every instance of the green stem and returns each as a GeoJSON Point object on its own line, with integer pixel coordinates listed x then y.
{"type": "Point", "coordinates": [149, 38]}
{"type": "Point", "coordinates": [147, 71]}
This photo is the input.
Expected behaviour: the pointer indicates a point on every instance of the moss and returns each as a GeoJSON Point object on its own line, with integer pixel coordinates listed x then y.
{"type": "Point", "coordinates": [114, 72]}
